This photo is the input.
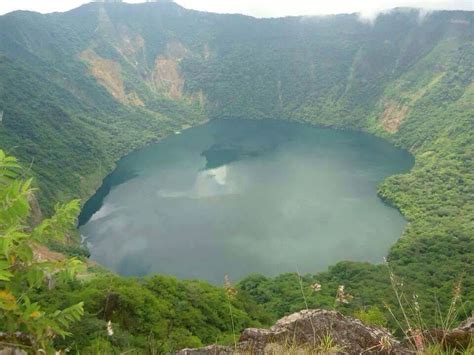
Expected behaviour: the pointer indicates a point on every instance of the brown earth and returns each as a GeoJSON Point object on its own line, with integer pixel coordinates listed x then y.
{"type": "Point", "coordinates": [107, 72]}
{"type": "Point", "coordinates": [395, 112]}
{"type": "Point", "coordinates": [167, 78]}
{"type": "Point", "coordinates": [393, 116]}
{"type": "Point", "coordinates": [130, 44]}
{"type": "Point", "coordinates": [42, 253]}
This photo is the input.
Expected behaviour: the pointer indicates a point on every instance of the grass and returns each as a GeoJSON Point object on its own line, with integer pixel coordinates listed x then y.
{"type": "Point", "coordinates": [420, 338]}
{"type": "Point", "coordinates": [417, 336]}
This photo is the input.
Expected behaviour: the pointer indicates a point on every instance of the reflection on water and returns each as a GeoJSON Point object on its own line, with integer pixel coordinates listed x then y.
{"type": "Point", "coordinates": [210, 182]}
{"type": "Point", "coordinates": [239, 197]}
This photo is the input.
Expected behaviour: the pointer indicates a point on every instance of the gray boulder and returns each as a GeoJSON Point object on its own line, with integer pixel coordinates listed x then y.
{"type": "Point", "coordinates": [310, 332]}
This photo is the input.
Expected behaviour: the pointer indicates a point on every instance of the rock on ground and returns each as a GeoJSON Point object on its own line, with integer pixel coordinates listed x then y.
{"type": "Point", "coordinates": [308, 332]}
{"type": "Point", "coordinates": [460, 337]}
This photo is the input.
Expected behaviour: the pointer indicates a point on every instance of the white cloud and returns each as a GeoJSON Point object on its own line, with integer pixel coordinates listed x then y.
{"type": "Point", "coordinates": [262, 8]}
{"type": "Point", "coordinates": [276, 8]}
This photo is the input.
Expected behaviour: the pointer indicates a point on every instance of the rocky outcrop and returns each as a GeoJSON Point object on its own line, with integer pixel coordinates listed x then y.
{"type": "Point", "coordinates": [209, 350]}
{"type": "Point", "coordinates": [467, 325]}
{"type": "Point", "coordinates": [12, 351]}
{"type": "Point", "coordinates": [460, 337]}
{"type": "Point", "coordinates": [309, 332]}
{"type": "Point", "coordinates": [8, 341]}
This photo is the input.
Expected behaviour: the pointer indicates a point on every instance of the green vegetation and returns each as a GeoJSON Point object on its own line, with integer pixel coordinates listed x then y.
{"type": "Point", "coordinates": [79, 90]}
{"type": "Point", "coordinates": [158, 313]}
{"type": "Point", "coordinates": [21, 272]}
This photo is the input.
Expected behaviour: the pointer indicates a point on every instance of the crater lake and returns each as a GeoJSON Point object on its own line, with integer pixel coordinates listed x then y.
{"type": "Point", "coordinates": [242, 196]}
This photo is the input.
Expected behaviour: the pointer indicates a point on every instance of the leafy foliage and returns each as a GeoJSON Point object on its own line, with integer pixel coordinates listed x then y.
{"type": "Point", "coordinates": [158, 313]}
{"type": "Point", "coordinates": [21, 273]}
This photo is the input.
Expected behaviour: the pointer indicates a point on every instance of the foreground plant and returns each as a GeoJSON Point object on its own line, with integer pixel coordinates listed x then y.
{"type": "Point", "coordinates": [421, 338]}
{"type": "Point", "coordinates": [22, 322]}
{"type": "Point", "coordinates": [230, 292]}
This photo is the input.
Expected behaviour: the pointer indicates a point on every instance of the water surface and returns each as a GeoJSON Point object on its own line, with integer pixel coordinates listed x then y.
{"type": "Point", "coordinates": [237, 197]}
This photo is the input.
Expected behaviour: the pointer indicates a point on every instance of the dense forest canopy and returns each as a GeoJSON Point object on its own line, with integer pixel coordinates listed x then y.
{"type": "Point", "coordinates": [80, 89]}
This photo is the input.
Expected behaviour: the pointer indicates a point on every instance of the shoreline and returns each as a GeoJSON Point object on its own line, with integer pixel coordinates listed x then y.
{"type": "Point", "coordinates": [362, 132]}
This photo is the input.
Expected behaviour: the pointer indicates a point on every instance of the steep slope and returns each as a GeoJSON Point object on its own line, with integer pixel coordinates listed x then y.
{"type": "Point", "coordinates": [80, 89]}
{"type": "Point", "coordinates": [68, 109]}
{"type": "Point", "coordinates": [150, 66]}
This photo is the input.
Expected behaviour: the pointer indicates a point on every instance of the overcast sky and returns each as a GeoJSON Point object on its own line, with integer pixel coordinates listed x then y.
{"type": "Point", "coordinates": [260, 8]}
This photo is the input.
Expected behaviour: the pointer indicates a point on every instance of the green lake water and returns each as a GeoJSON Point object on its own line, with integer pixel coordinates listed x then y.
{"type": "Point", "coordinates": [240, 196]}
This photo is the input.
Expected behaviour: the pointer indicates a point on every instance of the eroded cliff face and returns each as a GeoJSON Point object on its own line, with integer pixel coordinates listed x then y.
{"type": "Point", "coordinates": [393, 115]}
{"type": "Point", "coordinates": [107, 72]}
{"type": "Point", "coordinates": [164, 78]}
{"type": "Point", "coordinates": [127, 72]}
{"type": "Point", "coordinates": [167, 78]}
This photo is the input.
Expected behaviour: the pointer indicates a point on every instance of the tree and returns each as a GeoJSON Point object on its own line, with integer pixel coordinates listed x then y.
{"type": "Point", "coordinates": [23, 322]}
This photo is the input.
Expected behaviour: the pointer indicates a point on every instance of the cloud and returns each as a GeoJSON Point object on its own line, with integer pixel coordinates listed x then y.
{"type": "Point", "coordinates": [368, 9]}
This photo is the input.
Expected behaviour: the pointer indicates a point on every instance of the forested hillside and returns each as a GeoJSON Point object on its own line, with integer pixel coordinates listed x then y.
{"type": "Point", "coordinates": [78, 90]}
{"type": "Point", "coordinates": [117, 76]}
